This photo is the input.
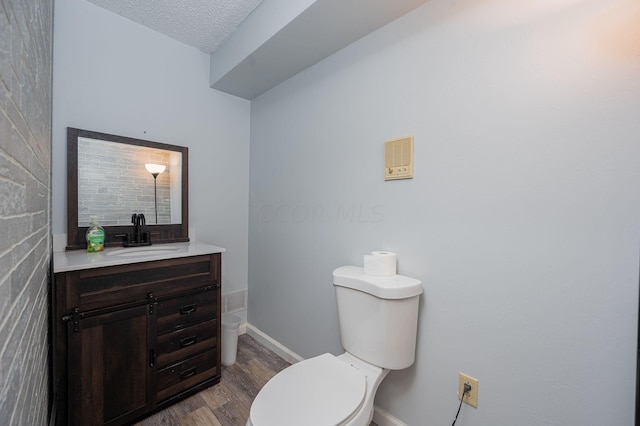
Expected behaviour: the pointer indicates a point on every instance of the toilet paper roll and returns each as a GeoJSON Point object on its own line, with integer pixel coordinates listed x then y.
{"type": "Point", "coordinates": [380, 263]}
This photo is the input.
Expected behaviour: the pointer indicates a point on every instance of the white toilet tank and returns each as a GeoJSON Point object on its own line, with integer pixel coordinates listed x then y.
{"type": "Point", "coordinates": [378, 316]}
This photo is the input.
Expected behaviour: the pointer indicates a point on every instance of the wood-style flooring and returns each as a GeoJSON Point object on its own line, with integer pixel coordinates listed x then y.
{"type": "Point", "coordinates": [227, 403]}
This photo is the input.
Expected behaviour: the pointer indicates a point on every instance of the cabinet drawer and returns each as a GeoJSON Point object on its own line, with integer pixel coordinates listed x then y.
{"type": "Point", "coordinates": [184, 343]}
{"type": "Point", "coordinates": [181, 312]}
{"type": "Point", "coordinates": [116, 285]}
{"type": "Point", "coordinates": [178, 377]}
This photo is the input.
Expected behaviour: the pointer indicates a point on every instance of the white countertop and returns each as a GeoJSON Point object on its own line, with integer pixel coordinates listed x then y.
{"type": "Point", "coordinates": [79, 259]}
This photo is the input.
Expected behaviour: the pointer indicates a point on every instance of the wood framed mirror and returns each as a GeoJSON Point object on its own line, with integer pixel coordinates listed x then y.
{"type": "Point", "coordinates": [107, 178]}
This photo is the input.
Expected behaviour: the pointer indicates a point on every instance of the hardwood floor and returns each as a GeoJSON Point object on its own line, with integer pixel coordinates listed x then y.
{"type": "Point", "coordinates": [228, 403]}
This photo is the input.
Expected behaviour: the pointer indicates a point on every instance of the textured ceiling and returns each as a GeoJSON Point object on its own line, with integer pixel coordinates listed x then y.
{"type": "Point", "coordinates": [204, 24]}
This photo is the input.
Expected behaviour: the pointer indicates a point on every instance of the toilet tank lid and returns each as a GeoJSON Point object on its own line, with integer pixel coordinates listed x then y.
{"type": "Point", "coordinates": [391, 287]}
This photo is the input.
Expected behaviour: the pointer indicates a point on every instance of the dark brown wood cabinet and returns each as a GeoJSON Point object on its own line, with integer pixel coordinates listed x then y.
{"type": "Point", "coordinates": [132, 339]}
{"type": "Point", "coordinates": [110, 380]}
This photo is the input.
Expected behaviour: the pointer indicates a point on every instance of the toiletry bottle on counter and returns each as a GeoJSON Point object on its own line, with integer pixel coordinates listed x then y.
{"type": "Point", "coordinates": [95, 236]}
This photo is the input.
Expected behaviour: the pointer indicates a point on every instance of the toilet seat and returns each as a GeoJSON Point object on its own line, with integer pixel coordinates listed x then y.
{"type": "Point", "coordinates": [319, 391]}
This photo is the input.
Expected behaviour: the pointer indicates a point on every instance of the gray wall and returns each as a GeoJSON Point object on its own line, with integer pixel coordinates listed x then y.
{"type": "Point", "coordinates": [114, 76]}
{"type": "Point", "coordinates": [25, 231]}
{"type": "Point", "coordinates": [522, 220]}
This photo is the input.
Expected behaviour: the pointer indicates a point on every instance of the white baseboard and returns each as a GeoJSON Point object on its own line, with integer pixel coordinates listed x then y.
{"type": "Point", "coordinates": [281, 350]}
{"type": "Point", "coordinates": [380, 417]}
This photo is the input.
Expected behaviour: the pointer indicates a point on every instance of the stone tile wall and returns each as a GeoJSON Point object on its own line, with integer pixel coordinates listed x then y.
{"type": "Point", "coordinates": [25, 223]}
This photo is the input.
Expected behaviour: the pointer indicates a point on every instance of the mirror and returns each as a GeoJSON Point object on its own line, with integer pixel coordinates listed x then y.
{"type": "Point", "coordinates": [113, 177]}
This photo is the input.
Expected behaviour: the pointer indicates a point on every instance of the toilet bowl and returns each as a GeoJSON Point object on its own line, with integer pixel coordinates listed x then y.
{"type": "Point", "coordinates": [320, 391]}
{"type": "Point", "coordinates": [378, 325]}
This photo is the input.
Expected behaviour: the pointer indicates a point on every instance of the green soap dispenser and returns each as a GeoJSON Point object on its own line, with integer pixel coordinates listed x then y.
{"type": "Point", "coordinates": [95, 236]}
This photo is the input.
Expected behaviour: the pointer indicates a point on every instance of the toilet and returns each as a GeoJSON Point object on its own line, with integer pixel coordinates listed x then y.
{"type": "Point", "coordinates": [378, 317]}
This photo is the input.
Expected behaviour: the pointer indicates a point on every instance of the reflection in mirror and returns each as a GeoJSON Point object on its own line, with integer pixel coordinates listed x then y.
{"type": "Point", "coordinates": [108, 177]}
{"type": "Point", "coordinates": [113, 183]}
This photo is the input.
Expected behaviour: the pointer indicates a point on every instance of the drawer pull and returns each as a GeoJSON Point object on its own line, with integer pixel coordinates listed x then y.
{"type": "Point", "coordinates": [188, 341]}
{"type": "Point", "coordinates": [188, 373]}
{"type": "Point", "coordinates": [188, 309]}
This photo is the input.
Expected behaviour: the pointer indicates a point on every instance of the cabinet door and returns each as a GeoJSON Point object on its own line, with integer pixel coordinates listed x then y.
{"type": "Point", "coordinates": [111, 368]}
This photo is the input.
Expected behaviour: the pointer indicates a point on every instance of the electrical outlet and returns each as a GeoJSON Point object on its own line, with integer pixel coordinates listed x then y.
{"type": "Point", "coordinates": [471, 397]}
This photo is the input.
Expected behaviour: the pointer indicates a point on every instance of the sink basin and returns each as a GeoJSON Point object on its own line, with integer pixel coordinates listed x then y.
{"type": "Point", "coordinates": [142, 251]}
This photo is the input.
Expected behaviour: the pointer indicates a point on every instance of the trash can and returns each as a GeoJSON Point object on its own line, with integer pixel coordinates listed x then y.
{"type": "Point", "coordinates": [230, 326]}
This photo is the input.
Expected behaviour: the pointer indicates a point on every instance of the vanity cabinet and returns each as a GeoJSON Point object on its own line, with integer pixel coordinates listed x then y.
{"type": "Point", "coordinates": [132, 339]}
